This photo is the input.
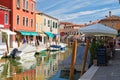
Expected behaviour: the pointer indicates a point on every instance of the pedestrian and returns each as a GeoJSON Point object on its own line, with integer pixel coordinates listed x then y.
{"type": "Point", "coordinates": [24, 40]}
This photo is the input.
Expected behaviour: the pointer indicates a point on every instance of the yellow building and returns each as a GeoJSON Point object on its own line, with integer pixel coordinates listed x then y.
{"type": "Point", "coordinates": [46, 24]}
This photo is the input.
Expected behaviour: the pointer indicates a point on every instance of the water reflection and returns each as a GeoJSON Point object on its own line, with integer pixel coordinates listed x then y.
{"type": "Point", "coordinates": [42, 68]}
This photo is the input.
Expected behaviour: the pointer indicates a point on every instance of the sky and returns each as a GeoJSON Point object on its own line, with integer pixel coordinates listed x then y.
{"type": "Point", "coordinates": [78, 11]}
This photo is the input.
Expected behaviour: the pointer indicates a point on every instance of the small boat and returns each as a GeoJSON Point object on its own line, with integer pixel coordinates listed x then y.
{"type": "Point", "coordinates": [23, 51]}
{"type": "Point", "coordinates": [61, 46]}
{"type": "Point", "coordinates": [55, 47]}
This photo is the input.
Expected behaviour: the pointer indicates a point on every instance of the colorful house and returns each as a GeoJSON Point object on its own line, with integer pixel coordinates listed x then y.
{"type": "Point", "coordinates": [46, 24]}
{"type": "Point", "coordinates": [5, 26]}
{"type": "Point", "coordinates": [22, 19]}
{"type": "Point", "coordinates": [69, 31]}
{"type": "Point", "coordinates": [112, 21]}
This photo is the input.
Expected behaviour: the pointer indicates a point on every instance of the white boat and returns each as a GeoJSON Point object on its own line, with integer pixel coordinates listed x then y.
{"type": "Point", "coordinates": [61, 46]}
{"type": "Point", "coordinates": [23, 51]}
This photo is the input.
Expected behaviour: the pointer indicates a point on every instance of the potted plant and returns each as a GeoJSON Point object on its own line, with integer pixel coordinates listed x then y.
{"type": "Point", "coordinates": [93, 52]}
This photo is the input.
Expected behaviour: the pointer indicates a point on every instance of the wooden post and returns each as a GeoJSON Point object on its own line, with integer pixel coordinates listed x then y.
{"type": "Point", "coordinates": [6, 40]}
{"type": "Point", "coordinates": [73, 60]}
{"type": "Point", "coordinates": [85, 58]}
{"type": "Point", "coordinates": [18, 39]}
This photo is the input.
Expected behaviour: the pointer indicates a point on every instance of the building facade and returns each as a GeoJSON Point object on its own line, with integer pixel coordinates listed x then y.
{"type": "Point", "coordinates": [46, 24]}
{"type": "Point", "coordinates": [22, 18]}
{"type": "Point", "coordinates": [4, 26]}
{"type": "Point", "coordinates": [69, 31]}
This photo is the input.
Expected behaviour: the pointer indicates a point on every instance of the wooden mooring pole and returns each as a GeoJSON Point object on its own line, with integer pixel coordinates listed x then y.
{"type": "Point", "coordinates": [85, 58]}
{"type": "Point", "coordinates": [73, 60]}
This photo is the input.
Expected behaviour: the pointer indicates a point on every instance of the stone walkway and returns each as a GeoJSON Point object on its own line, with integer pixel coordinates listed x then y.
{"type": "Point", "coordinates": [109, 72]}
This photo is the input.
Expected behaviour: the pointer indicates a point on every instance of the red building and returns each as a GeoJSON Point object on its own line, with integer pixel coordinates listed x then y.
{"type": "Point", "coordinates": [4, 26]}
{"type": "Point", "coordinates": [4, 17]}
{"type": "Point", "coordinates": [22, 18]}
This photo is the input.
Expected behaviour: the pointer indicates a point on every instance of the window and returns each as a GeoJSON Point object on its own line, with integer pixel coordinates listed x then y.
{"type": "Point", "coordinates": [26, 21]}
{"type": "Point", "coordinates": [53, 24]}
{"type": "Point", "coordinates": [23, 4]}
{"type": "Point", "coordinates": [31, 22]}
{"type": "Point", "coordinates": [18, 20]}
{"type": "Point", "coordinates": [45, 22]}
{"type": "Point", "coordinates": [23, 21]}
{"type": "Point", "coordinates": [32, 7]}
{"type": "Point", "coordinates": [48, 23]}
{"type": "Point", "coordinates": [56, 25]}
{"type": "Point", "coordinates": [6, 19]}
{"type": "Point", "coordinates": [26, 5]}
{"type": "Point", "coordinates": [18, 3]}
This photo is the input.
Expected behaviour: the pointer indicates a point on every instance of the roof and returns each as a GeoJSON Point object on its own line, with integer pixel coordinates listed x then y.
{"type": "Point", "coordinates": [113, 17]}
{"type": "Point", "coordinates": [66, 23]}
{"type": "Point", "coordinates": [38, 12]}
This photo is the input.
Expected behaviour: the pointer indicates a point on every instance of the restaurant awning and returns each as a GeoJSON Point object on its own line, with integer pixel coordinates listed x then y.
{"type": "Point", "coordinates": [29, 33]}
{"type": "Point", "coordinates": [9, 32]}
{"type": "Point", "coordinates": [49, 34]}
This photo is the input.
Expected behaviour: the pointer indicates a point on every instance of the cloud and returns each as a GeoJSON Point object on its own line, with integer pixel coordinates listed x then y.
{"type": "Point", "coordinates": [79, 10]}
{"type": "Point", "coordinates": [78, 14]}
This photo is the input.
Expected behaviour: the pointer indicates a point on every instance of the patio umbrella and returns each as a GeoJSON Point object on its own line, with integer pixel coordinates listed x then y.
{"type": "Point", "coordinates": [95, 29]}
{"type": "Point", "coordinates": [98, 29]}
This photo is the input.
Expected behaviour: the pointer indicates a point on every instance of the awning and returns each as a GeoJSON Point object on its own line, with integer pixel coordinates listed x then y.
{"type": "Point", "coordinates": [49, 34]}
{"type": "Point", "coordinates": [9, 32]}
{"type": "Point", "coordinates": [29, 33]}
{"type": "Point", "coordinates": [2, 26]}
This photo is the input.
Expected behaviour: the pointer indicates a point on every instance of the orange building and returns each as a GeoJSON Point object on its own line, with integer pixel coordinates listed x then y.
{"type": "Point", "coordinates": [69, 31]}
{"type": "Point", "coordinates": [112, 21]}
{"type": "Point", "coordinates": [22, 18]}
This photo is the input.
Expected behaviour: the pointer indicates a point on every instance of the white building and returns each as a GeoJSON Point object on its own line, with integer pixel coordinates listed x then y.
{"type": "Point", "coordinates": [46, 24]}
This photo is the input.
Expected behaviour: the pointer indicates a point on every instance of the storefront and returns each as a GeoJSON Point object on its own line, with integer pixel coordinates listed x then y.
{"type": "Point", "coordinates": [27, 36]}
{"type": "Point", "coordinates": [3, 34]}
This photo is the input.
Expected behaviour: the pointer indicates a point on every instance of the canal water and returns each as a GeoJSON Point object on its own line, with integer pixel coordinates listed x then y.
{"type": "Point", "coordinates": [48, 65]}
{"type": "Point", "coordinates": [42, 67]}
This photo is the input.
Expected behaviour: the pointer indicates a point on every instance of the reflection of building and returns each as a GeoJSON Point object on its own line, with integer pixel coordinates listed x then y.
{"type": "Point", "coordinates": [5, 26]}
{"type": "Point", "coordinates": [46, 23]}
{"type": "Point", "coordinates": [48, 67]}
{"type": "Point", "coordinates": [22, 17]}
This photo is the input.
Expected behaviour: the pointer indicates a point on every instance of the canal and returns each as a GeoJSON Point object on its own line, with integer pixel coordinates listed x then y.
{"type": "Point", "coordinates": [48, 65]}
{"type": "Point", "coordinates": [41, 67]}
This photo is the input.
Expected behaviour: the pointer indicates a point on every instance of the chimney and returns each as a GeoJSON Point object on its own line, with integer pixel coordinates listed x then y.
{"type": "Point", "coordinates": [109, 13]}
{"type": "Point", "coordinates": [90, 22]}
{"type": "Point", "coordinates": [106, 16]}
